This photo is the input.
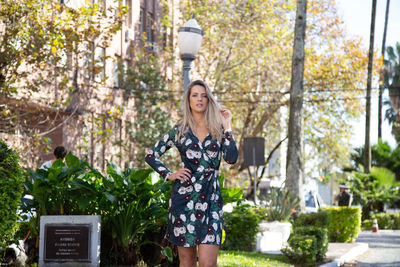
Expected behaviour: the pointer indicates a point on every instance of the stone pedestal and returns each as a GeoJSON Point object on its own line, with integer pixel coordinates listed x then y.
{"type": "Point", "coordinates": [272, 236]}
{"type": "Point", "coordinates": [69, 241]}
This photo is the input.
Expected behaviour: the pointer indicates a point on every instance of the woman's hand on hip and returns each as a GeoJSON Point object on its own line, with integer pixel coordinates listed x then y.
{"type": "Point", "coordinates": [183, 175]}
{"type": "Point", "coordinates": [226, 117]}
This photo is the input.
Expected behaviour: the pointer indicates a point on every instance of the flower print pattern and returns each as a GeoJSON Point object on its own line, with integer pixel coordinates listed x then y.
{"type": "Point", "coordinates": [195, 215]}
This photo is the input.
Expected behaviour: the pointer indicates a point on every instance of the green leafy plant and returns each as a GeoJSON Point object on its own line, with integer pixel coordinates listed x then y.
{"type": "Point", "coordinates": [241, 228]}
{"type": "Point", "coordinates": [145, 82]}
{"type": "Point", "coordinates": [385, 221]}
{"type": "Point", "coordinates": [131, 205]}
{"type": "Point", "coordinates": [229, 195]}
{"type": "Point", "coordinates": [373, 190]}
{"type": "Point", "coordinates": [345, 223]}
{"type": "Point", "coordinates": [309, 241]}
{"type": "Point", "coordinates": [136, 207]}
{"type": "Point", "coordinates": [317, 219]}
{"type": "Point", "coordinates": [11, 180]}
{"type": "Point", "coordinates": [281, 204]}
{"type": "Point", "coordinates": [302, 250]}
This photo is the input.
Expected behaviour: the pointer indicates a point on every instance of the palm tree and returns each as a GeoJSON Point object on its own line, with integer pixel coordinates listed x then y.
{"type": "Point", "coordinates": [392, 82]}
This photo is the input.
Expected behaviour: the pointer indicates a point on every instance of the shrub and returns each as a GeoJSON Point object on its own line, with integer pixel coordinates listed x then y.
{"type": "Point", "coordinates": [133, 208]}
{"type": "Point", "coordinates": [241, 228]}
{"type": "Point", "coordinates": [301, 250]}
{"type": "Point", "coordinates": [309, 240]}
{"type": "Point", "coordinates": [385, 221]}
{"type": "Point", "coordinates": [317, 219]}
{"type": "Point", "coordinates": [366, 224]}
{"type": "Point", "coordinates": [388, 220]}
{"type": "Point", "coordinates": [345, 224]}
{"type": "Point", "coordinates": [321, 239]}
{"type": "Point", "coordinates": [11, 189]}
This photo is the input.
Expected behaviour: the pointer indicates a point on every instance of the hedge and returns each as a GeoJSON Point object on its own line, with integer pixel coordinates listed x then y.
{"type": "Point", "coordinates": [309, 241]}
{"type": "Point", "coordinates": [385, 221]}
{"type": "Point", "coordinates": [11, 189]}
{"type": "Point", "coordinates": [241, 227]}
{"type": "Point", "coordinates": [345, 223]}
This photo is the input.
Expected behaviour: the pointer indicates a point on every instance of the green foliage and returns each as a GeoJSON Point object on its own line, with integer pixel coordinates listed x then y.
{"type": "Point", "coordinates": [241, 228]}
{"type": "Point", "coordinates": [281, 204]}
{"type": "Point", "coordinates": [229, 194]}
{"type": "Point", "coordinates": [373, 190]}
{"type": "Point", "coordinates": [63, 189]}
{"type": "Point", "coordinates": [317, 219]}
{"type": "Point", "coordinates": [136, 206]}
{"type": "Point", "coordinates": [153, 103]}
{"type": "Point", "coordinates": [345, 223]}
{"type": "Point", "coordinates": [11, 189]}
{"type": "Point", "coordinates": [302, 250]}
{"type": "Point", "coordinates": [244, 258]}
{"type": "Point", "coordinates": [36, 35]}
{"type": "Point", "coordinates": [390, 221]}
{"type": "Point", "coordinates": [131, 205]}
{"type": "Point", "coordinates": [381, 156]}
{"type": "Point", "coordinates": [392, 82]}
{"type": "Point", "coordinates": [309, 241]}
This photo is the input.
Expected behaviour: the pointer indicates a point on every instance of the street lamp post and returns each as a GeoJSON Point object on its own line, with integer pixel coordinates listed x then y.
{"type": "Point", "coordinates": [189, 41]}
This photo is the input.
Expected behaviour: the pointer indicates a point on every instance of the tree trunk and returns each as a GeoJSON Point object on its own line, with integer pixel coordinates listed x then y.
{"type": "Point", "coordinates": [367, 146]}
{"type": "Point", "coordinates": [382, 73]}
{"type": "Point", "coordinates": [294, 160]}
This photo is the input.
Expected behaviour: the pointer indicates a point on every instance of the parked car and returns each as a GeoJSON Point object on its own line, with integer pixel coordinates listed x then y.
{"type": "Point", "coordinates": [313, 202]}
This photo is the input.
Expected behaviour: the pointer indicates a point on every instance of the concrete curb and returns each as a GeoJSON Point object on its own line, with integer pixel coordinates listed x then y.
{"type": "Point", "coordinates": [354, 251]}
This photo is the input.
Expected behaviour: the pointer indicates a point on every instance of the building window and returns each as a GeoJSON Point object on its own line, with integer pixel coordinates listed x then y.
{"type": "Point", "coordinates": [88, 61]}
{"type": "Point", "coordinates": [128, 19]}
{"type": "Point", "coordinates": [117, 75]}
{"type": "Point", "coordinates": [149, 27]}
{"type": "Point", "coordinates": [99, 64]}
{"type": "Point", "coordinates": [141, 22]}
{"type": "Point", "coordinates": [147, 24]}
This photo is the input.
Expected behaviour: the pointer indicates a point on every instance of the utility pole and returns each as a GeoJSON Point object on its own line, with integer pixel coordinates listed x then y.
{"type": "Point", "coordinates": [381, 79]}
{"type": "Point", "coordinates": [294, 160]}
{"type": "Point", "coordinates": [367, 146]}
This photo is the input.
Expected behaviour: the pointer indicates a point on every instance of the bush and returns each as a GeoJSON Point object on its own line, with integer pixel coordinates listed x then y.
{"type": "Point", "coordinates": [345, 223]}
{"type": "Point", "coordinates": [11, 189]}
{"type": "Point", "coordinates": [302, 249]}
{"type": "Point", "coordinates": [309, 240]}
{"type": "Point", "coordinates": [133, 208]}
{"type": "Point", "coordinates": [366, 224]}
{"type": "Point", "coordinates": [241, 228]}
{"type": "Point", "coordinates": [317, 219]}
{"type": "Point", "coordinates": [385, 221]}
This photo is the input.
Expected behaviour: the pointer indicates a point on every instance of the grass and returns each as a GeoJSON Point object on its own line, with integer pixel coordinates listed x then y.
{"type": "Point", "coordinates": [242, 258]}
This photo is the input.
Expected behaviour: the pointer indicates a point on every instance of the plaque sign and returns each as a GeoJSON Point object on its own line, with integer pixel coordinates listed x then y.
{"type": "Point", "coordinates": [67, 242]}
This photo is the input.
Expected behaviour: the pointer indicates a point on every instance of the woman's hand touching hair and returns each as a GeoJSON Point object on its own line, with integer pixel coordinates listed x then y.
{"type": "Point", "coordinates": [226, 118]}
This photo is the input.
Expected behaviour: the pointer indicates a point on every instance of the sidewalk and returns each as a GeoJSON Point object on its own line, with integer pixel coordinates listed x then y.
{"type": "Point", "coordinates": [339, 253]}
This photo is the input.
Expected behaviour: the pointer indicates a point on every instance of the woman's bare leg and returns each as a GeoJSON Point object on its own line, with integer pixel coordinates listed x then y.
{"type": "Point", "coordinates": [187, 256]}
{"type": "Point", "coordinates": [208, 255]}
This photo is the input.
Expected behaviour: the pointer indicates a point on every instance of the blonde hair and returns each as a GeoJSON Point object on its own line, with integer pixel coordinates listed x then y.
{"type": "Point", "coordinates": [212, 114]}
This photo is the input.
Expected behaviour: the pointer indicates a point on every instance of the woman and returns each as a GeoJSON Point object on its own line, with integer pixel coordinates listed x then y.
{"type": "Point", "coordinates": [195, 216]}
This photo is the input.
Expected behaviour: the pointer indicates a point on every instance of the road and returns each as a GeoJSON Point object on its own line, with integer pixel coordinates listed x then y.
{"type": "Point", "coordinates": [384, 249]}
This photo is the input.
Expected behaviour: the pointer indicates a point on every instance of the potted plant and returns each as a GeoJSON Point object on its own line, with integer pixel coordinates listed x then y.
{"type": "Point", "coordinates": [275, 229]}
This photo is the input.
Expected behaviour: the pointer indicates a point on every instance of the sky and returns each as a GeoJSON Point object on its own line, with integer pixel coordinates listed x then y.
{"type": "Point", "coordinates": [357, 18]}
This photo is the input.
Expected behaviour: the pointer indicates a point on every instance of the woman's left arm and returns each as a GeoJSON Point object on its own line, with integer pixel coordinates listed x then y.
{"type": "Point", "coordinates": [229, 149]}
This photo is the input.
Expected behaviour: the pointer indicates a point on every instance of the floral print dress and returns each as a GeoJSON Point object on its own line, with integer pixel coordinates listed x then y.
{"type": "Point", "coordinates": [195, 214]}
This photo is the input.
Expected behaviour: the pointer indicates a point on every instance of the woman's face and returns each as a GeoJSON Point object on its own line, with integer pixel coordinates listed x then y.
{"type": "Point", "coordinates": [198, 99]}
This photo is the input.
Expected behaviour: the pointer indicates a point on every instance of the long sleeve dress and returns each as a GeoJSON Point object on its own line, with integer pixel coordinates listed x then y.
{"type": "Point", "coordinates": [195, 206]}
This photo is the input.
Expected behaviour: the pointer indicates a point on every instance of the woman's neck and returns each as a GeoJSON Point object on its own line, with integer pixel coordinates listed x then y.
{"type": "Point", "coordinates": [199, 119]}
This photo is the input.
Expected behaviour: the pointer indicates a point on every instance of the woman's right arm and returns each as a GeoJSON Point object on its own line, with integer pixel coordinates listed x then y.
{"type": "Point", "coordinates": [153, 158]}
